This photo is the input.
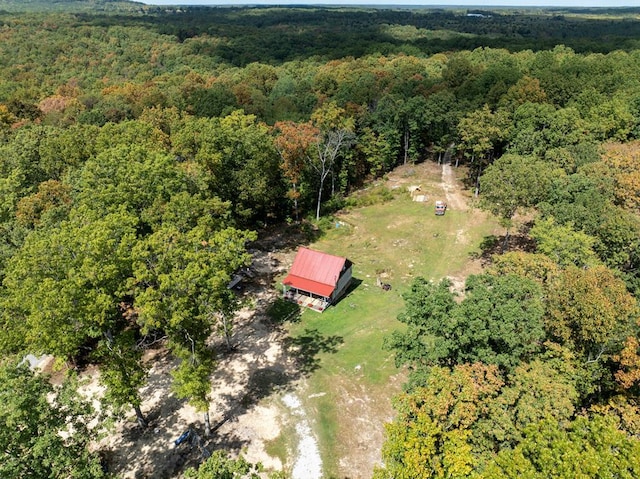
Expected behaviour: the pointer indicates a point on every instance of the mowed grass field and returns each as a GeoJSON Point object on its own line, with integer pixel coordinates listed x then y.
{"type": "Point", "coordinates": [351, 377]}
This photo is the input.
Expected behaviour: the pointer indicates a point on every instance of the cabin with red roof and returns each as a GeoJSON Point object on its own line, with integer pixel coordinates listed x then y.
{"type": "Point", "coordinates": [317, 279]}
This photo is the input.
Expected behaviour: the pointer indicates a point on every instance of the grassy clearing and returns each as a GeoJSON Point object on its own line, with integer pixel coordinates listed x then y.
{"type": "Point", "coordinates": [398, 240]}
{"type": "Point", "coordinates": [282, 447]}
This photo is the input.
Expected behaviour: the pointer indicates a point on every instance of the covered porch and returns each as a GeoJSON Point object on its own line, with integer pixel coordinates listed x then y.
{"type": "Point", "coordinates": [304, 298]}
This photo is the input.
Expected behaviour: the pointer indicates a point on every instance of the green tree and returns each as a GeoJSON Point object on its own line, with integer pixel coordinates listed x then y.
{"type": "Point", "coordinates": [234, 159]}
{"type": "Point", "coordinates": [500, 321]}
{"type": "Point", "coordinates": [181, 282]}
{"type": "Point", "coordinates": [221, 466]}
{"type": "Point", "coordinates": [386, 120]}
{"type": "Point", "coordinates": [69, 280]}
{"type": "Point", "coordinates": [216, 101]}
{"type": "Point", "coordinates": [514, 182]}
{"type": "Point", "coordinates": [607, 117]}
{"type": "Point", "coordinates": [426, 306]}
{"type": "Point", "coordinates": [377, 151]}
{"type": "Point", "coordinates": [131, 133]}
{"type": "Point", "coordinates": [540, 389]}
{"type": "Point", "coordinates": [66, 288]}
{"type": "Point", "coordinates": [459, 70]}
{"type": "Point", "coordinates": [127, 176]}
{"type": "Point", "coordinates": [192, 379]}
{"type": "Point", "coordinates": [588, 447]}
{"type": "Point", "coordinates": [542, 130]}
{"type": "Point", "coordinates": [336, 130]}
{"type": "Point", "coordinates": [43, 428]}
{"type": "Point", "coordinates": [586, 200]}
{"type": "Point", "coordinates": [482, 134]}
{"type": "Point", "coordinates": [404, 118]}
{"type": "Point", "coordinates": [530, 122]}
{"type": "Point", "coordinates": [20, 157]}
{"type": "Point", "coordinates": [122, 372]}
{"type": "Point", "coordinates": [563, 244]}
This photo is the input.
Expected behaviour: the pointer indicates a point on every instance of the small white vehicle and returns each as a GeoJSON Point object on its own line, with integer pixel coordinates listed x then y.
{"type": "Point", "coordinates": [441, 207]}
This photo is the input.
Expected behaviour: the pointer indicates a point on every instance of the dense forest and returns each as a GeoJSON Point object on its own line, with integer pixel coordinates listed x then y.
{"type": "Point", "coordinates": [142, 149]}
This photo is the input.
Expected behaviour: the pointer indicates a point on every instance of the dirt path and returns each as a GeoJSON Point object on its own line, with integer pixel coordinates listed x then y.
{"type": "Point", "coordinates": [307, 462]}
{"type": "Point", "coordinates": [452, 190]}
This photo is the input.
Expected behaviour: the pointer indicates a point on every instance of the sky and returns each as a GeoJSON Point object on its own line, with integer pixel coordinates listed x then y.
{"type": "Point", "coordinates": [476, 3]}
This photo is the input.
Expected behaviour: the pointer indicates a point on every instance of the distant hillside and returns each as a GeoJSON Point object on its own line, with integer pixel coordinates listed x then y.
{"type": "Point", "coordinates": [69, 5]}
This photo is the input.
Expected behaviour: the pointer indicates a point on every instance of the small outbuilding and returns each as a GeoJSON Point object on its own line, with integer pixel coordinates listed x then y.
{"type": "Point", "coordinates": [317, 280]}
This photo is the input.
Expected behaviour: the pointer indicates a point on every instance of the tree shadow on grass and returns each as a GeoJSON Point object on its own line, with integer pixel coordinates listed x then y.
{"type": "Point", "coordinates": [288, 236]}
{"type": "Point", "coordinates": [263, 383]}
{"type": "Point", "coordinates": [495, 245]}
{"type": "Point", "coordinates": [489, 246]}
{"type": "Point", "coordinates": [281, 311]}
{"type": "Point", "coordinates": [306, 348]}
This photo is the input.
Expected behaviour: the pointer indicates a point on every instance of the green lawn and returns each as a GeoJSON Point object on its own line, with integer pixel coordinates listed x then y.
{"type": "Point", "coordinates": [401, 240]}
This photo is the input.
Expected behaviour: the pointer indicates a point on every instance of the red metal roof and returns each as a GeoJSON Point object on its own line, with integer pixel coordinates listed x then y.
{"type": "Point", "coordinates": [309, 286]}
{"type": "Point", "coordinates": [315, 272]}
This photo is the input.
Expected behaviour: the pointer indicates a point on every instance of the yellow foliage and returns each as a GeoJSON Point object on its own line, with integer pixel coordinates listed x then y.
{"type": "Point", "coordinates": [6, 117]}
{"type": "Point", "coordinates": [623, 165]}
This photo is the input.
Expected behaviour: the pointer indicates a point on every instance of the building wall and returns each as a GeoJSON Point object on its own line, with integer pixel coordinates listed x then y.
{"type": "Point", "coordinates": [343, 284]}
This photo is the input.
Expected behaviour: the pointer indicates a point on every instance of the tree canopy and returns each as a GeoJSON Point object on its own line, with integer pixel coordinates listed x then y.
{"type": "Point", "coordinates": [142, 148]}
{"type": "Point", "coordinates": [43, 429]}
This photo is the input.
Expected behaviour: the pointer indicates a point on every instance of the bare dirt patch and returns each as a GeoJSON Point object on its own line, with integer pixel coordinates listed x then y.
{"type": "Point", "coordinates": [307, 463]}
{"type": "Point", "coordinates": [364, 413]}
{"type": "Point", "coordinates": [133, 452]}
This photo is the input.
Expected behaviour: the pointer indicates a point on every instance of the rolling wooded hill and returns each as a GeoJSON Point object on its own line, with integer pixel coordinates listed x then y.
{"type": "Point", "coordinates": [141, 148]}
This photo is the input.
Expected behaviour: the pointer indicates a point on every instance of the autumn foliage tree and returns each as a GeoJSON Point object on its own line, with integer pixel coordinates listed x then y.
{"type": "Point", "coordinates": [628, 373]}
{"type": "Point", "coordinates": [622, 165]}
{"type": "Point", "coordinates": [431, 437]}
{"type": "Point", "coordinates": [591, 311]}
{"type": "Point", "coordinates": [295, 142]}
{"type": "Point", "coordinates": [591, 447]}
